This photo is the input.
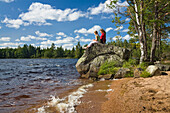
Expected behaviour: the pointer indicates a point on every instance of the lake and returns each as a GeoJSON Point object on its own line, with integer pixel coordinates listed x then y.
{"type": "Point", "coordinates": [25, 83]}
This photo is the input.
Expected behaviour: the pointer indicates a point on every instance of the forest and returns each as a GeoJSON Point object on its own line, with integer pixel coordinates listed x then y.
{"type": "Point", "coordinates": [37, 52]}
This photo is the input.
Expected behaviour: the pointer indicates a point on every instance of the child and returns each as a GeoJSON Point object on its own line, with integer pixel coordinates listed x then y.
{"type": "Point", "coordinates": [96, 40]}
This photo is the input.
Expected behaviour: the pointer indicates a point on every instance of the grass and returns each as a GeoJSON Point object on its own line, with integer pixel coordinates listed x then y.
{"type": "Point", "coordinates": [109, 68]}
{"type": "Point", "coordinates": [130, 64]}
{"type": "Point", "coordinates": [113, 66]}
{"type": "Point", "coordinates": [145, 74]}
{"type": "Point", "coordinates": [143, 65]}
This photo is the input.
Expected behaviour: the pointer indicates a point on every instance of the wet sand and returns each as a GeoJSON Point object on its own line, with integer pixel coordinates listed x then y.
{"type": "Point", "coordinates": [128, 95]}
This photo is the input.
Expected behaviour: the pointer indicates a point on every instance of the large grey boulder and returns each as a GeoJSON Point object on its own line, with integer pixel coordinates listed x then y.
{"type": "Point", "coordinates": [89, 64]}
{"type": "Point", "coordinates": [153, 70]}
{"type": "Point", "coordinates": [163, 67]}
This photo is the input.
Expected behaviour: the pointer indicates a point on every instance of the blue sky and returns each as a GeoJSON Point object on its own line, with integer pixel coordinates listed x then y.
{"type": "Point", "coordinates": [62, 22]}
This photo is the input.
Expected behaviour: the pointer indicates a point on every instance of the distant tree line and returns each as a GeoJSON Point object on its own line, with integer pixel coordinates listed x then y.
{"type": "Point", "coordinates": [29, 51]}
{"type": "Point", "coordinates": [77, 51]}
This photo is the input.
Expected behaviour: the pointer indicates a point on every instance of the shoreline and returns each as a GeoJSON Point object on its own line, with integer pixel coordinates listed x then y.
{"type": "Point", "coordinates": [52, 100]}
{"type": "Point", "coordinates": [125, 95]}
{"type": "Point", "coordinates": [129, 95]}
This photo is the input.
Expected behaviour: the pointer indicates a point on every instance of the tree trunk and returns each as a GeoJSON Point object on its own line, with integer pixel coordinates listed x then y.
{"type": "Point", "coordinates": [159, 43]}
{"type": "Point", "coordinates": [143, 30]}
{"type": "Point", "coordinates": [139, 33]}
{"type": "Point", "coordinates": [154, 36]}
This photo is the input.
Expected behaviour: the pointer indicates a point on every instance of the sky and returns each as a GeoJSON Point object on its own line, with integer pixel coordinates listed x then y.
{"type": "Point", "coordinates": [62, 22]}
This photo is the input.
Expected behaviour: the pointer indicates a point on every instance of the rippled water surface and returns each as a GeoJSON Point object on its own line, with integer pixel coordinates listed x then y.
{"type": "Point", "coordinates": [26, 82]}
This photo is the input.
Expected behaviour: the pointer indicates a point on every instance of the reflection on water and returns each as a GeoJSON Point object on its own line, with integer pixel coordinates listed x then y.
{"type": "Point", "coordinates": [26, 82]}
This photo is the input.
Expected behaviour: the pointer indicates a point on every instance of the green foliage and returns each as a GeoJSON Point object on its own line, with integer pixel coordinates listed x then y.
{"type": "Point", "coordinates": [130, 63]}
{"type": "Point", "coordinates": [153, 18]}
{"type": "Point", "coordinates": [48, 54]}
{"type": "Point", "coordinates": [130, 74]}
{"type": "Point", "coordinates": [143, 65]}
{"type": "Point", "coordinates": [78, 51]}
{"type": "Point", "coordinates": [109, 68]}
{"type": "Point", "coordinates": [145, 74]}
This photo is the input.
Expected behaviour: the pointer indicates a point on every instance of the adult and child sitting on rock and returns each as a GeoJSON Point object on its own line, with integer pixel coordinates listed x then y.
{"type": "Point", "coordinates": [98, 39]}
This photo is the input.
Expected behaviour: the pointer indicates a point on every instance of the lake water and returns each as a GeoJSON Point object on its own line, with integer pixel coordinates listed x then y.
{"type": "Point", "coordinates": [28, 82]}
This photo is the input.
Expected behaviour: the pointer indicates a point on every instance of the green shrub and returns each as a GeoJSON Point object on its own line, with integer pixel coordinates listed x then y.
{"type": "Point", "coordinates": [130, 63]}
{"type": "Point", "coordinates": [143, 65]}
{"type": "Point", "coordinates": [109, 68]}
{"type": "Point", "coordinates": [145, 74]}
{"type": "Point", "coordinates": [126, 65]}
{"type": "Point", "coordinates": [133, 62]}
{"type": "Point", "coordinates": [130, 74]}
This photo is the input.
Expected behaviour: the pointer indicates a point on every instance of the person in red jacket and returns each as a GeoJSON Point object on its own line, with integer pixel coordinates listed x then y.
{"type": "Point", "coordinates": [103, 36]}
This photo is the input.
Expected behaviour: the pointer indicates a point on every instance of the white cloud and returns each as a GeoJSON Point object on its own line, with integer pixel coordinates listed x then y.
{"type": "Point", "coordinates": [68, 46]}
{"type": "Point", "coordinates": [125, 30]}
{"type": "Point", "coordinates": [61, 34]}
{"type": "Point", "coordinates": [85, 40]}
{"type": "Point", "coordinates": [29, 37]}
{"type": "Point", "coordinates": [116, 37]}
{"type": "Point", "coordinates": [39, 13]}
{"type": "Point", "coordinates": [10, 44]}
{"type": "Point", "coordinates": [89, 31]}
{"type": "Point", "coordinates": [58, 37]}
{"type": "Point", "coordinates": [77, 36]}
{"type": "Point", "coordinates": [107, 17]}
{"type": "Point", "coordinates": [118, 28]}
{"type": "Point", "coordinates": [12, 23]}
{"type": "Point", "coordinates": [5, 39]}
{"type": "Point", "coordinates": [7, 1]}
{"type": "Point", "coordinates": [61, 41]}
{"type": "Point", "coordinates": [108, 29]}
{"type": "Point", "coordinates": [43, 34]}
{"type": "Point", "coordinates": [102, 8]}
{"type": "Point", "coordinates": [82, 30]}
{"type": "Point", "coordinates": [127, 19]}
{"type": "Point", "coordinates": [17, 40]}
{"type": "Point", "coordinates": [127, 37]}
{"type": "Point", "coordinates": [94, 28]}
{"type": "Point", "coordinates": [0, 27]}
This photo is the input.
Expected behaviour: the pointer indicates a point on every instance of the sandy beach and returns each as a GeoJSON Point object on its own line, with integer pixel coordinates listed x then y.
{"type": "Point", "coordinates": [128, 95]}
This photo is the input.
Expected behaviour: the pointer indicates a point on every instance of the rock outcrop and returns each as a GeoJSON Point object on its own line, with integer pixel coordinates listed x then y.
{"type": "Point", "coordinates": [163, 67]}
{"type": "Point", "coordinates": [89, 64]}
{"type": "Point", "coordinates": [153, 70]}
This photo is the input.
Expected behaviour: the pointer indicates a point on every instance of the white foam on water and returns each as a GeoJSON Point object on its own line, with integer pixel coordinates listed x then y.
{"type": "Point", "coordinates": [41, 110]}
{"type": "Point", "coordinates": [115, 79]}
{"type": "Point", "coordinates": [108, 90]}
{"type": "Point", "coordinates": [68, 103]}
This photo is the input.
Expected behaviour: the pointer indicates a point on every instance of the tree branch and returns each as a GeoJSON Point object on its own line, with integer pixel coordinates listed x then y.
{"type": "Point", "coordinates": [163, 7]}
